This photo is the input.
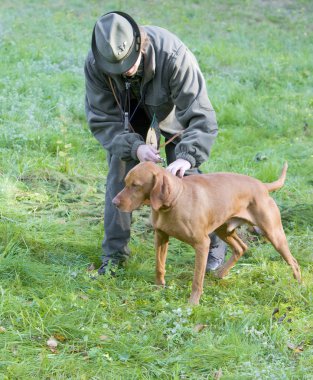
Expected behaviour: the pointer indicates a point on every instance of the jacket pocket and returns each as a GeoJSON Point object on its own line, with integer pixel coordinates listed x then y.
{"type": "Point", "coordinates": [156, 98]}
{"type": "Point", "coordinates": [159, 103]}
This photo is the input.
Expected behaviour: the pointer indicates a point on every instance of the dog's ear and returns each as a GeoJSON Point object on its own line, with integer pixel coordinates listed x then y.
{"type": "Point", "coordinates": [160, 193]}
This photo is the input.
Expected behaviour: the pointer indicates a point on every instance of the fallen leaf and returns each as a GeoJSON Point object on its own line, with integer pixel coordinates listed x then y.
{"type": "Point", "coordinates": [59, 337]}
{"type": "Point", "coordinates": [199, 327]}
{"type": "Point", "coordinates": [83, 296]}
{"type": "Point", "coordinates": [103, 337]}
{"type": "Point", "coordinates": [91, 267]}
{"type": "Point", "coordinates": [296, 348]}
{"type": "Point", "coordinates": [218, 374]}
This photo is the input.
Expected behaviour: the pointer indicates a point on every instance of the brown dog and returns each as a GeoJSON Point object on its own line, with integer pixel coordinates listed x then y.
{"type": "Point", "coordinates": [194, 206]}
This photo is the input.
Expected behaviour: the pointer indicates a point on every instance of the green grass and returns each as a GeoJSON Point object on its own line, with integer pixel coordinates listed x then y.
{"type": "Point", "coordinates": [258, 62]}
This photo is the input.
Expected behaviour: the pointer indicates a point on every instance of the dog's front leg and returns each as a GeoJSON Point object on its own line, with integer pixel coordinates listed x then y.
{"type": "Point", "coordinates": [202, 251]}
{"type": "Point", "coordinates": [161, 244]}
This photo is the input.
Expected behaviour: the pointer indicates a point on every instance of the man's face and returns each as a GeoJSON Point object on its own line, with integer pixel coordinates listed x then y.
{"type": "Point", "coordinates": [132, 71]}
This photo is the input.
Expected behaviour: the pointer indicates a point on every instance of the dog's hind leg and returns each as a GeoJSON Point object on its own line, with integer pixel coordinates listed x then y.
{"type": "Point", "coordinates": [238, 249]}
{"type": "Point", "coordinates": [269, 220]}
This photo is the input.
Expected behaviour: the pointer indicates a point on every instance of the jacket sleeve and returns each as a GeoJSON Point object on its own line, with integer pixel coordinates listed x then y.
{"type": "Point", "coordinates": [104, 117]}
{"type": "Point", "coordinates": [193, 108]}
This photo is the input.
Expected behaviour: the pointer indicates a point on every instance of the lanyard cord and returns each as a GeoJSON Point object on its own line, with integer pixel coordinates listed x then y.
{"type": "Point", "coordinates": [114, 94]}
{"type": "Point", "coordinates": [127, 100]}
{"type": "Point", "coordinates": [127, 97]}
{"type": "Point", "coordinates": [127, 86]}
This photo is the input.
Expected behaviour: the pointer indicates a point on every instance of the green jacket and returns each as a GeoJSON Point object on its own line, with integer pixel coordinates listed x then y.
{"type": "Point", "coordinates": [172, 82]}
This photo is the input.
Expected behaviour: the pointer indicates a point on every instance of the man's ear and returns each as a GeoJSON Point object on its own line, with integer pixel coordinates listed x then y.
{"type": "Point", "coordinates": [160, 193]}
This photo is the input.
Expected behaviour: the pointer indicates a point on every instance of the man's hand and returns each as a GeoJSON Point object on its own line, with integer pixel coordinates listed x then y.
{"type": "Point", "coordinates": [148, 153]}
{"type": "Point", "coordinates": [179, 167]}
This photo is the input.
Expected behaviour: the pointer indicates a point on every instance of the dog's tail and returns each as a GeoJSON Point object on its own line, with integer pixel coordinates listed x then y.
{"type": "Point", "coordinates": [280, 182]}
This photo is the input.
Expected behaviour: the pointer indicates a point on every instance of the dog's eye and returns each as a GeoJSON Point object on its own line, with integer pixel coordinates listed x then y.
{"type": "Point", "coordinates": [135, 186]}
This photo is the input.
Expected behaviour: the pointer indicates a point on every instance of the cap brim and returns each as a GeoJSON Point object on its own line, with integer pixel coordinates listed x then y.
{"type": "Point", "coordinates": [125, 64]}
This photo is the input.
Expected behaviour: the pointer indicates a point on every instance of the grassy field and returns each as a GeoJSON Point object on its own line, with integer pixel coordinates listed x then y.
{"type": "Point", "coordinates": [58, 320]}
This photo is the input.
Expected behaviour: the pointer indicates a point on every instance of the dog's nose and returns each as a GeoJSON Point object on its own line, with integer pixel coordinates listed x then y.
{"type": "Point", "coordinates": [116, 201]}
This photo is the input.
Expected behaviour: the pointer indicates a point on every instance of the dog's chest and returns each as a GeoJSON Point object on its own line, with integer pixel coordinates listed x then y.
{"type": "Point", "coordinates": [173, 225]}
{"type": "Point", "coordinates": [159, 220]}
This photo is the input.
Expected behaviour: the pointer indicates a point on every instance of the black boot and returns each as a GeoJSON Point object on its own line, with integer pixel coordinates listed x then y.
{"type": "Point", "coordinates": [217, 253]}
{"type": "Point", "coordinates": [109, 265]}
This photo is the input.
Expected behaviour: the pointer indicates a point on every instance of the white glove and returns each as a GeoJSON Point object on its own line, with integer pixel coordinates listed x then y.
{"type": "Point", "coordinates": [148, 153]}
{"type": "Point", "coordinates": [179, 167]}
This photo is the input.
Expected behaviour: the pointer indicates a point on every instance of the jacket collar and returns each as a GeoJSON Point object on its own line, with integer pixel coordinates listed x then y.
{"type": "Point", "coordinates": [149, 64]}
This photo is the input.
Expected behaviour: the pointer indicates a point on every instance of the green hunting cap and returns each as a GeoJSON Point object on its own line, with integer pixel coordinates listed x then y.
{"type": "Point", "coordinates": [116, 42]}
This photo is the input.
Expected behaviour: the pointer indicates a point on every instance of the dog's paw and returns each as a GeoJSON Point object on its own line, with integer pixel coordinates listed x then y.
{"type": "Point", "coordinates": [160, 283]}
{"type": "Point", "coordinates": [220, 273]}
{"type": "Point", "coordinates": [194, 299]}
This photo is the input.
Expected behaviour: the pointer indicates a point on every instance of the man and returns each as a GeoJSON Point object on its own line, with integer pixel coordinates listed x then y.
{"type": "Point", "coordinates": [136, 78]}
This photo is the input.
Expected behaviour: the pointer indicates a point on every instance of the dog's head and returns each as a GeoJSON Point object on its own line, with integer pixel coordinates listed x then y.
{"type": "Point", "coordinates": [146, 183]}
